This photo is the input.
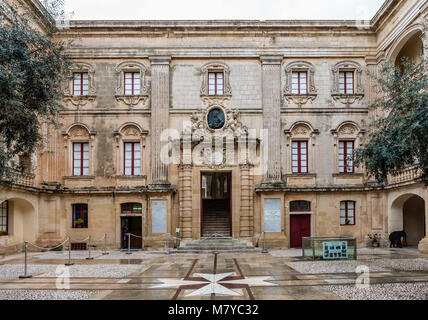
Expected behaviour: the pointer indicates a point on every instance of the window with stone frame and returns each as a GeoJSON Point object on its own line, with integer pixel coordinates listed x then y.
{"type": "Point", "coordinates": [347, 213]}
{"type": "Point", "coordinates": [215, 83]}
{"type": "Point", "coordinates": [79, 89]}
{"type": "Point", "coordinates": [132, 83]}
{"type": "Point", "coordinates": [80, 216]}
{"type": "Point", "coordinates": [4, 218]}
{"type": "Point", "coordinates": [299, 84]}
{"type": "Point", "coordinates": [80, 159]}
{"type": "Point", "coordinates": [132, 87]}
{"type": "Point", "coordinates": [346, 82]}
{"type": "Point", "coordinates": [346, 156]}
{"type": "Point", "coordinates": [80, 83]}
{"type": "Point", "coordinates": [132, 158]}
{"type": "Point", "coordinates": [215, 80]}
{"type": "Point", "coordinates": [299, 157]}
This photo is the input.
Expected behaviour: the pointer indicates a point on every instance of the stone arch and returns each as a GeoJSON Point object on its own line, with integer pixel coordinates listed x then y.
{"type": "Point", "coordinates": [407, 212]}
{"type": "Point", "coordinates": [302, 128]}
{"type": "Point", "coordinates": [401, 41]}
{"type": "Point", "coordinates": [131, 124]}
{"type": "Point", "coordinates": [22, 223]}
{"type": "Point", "coordinates": [78, 129]}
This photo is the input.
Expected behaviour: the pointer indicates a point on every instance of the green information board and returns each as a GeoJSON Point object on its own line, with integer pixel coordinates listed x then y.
{"type": "Point", "coordinates": [335, 250]}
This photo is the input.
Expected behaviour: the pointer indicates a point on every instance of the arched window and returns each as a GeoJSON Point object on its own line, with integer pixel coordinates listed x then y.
{"type": "Point", "coordinates": [300, 206]}
{"type": "Point", "coordinates": [79, 140]}
{"type": "Point", "coordinates": [131, 208]}
{"type": "Point", "coordinates": [300, 83]}
{"type": "Point", "coordinates": [347, 213]}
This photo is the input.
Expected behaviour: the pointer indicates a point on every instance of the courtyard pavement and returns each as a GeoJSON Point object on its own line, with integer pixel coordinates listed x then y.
{"type": "Point", "coordinates": [278, 275]}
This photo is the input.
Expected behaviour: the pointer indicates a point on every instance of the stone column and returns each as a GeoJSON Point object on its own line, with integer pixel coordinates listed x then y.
{"type": "Point", "coordinates": [185, 195]}
{"type": "Point", "coordinates": [160, 97]}
{"type": "Point", "coordinates": [246, 222]}
{"type": "Point", "coordinates": [271, 91]}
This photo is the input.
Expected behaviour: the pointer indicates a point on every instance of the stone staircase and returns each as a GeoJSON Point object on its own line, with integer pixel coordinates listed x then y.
{"type": "Point", "coordinates": [226, 244]}
{"type": "Point", "coordinates": [216, 221]}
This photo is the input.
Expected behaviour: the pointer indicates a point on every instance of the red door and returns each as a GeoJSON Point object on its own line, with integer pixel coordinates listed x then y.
{"type": "Point", "coordinates": [300, 226]}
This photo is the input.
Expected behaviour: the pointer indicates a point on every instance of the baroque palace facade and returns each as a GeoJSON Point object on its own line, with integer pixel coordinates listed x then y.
{"type": "Point", "coordinates": [286, 103]}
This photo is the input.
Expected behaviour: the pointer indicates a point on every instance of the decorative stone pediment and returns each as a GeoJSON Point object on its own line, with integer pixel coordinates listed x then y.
{"type": "Point", "coordinates": [68, 86]}
{"type": "Point", "coordinates": [348, 130]}
{"type": "Point", "coordinates": [217, 120]}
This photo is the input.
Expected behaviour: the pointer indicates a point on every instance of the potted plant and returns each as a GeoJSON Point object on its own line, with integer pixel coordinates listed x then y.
{"type": "Point", "coordinates": [374, 238]}
{"type": "Point", "coordinates": [79, 223]}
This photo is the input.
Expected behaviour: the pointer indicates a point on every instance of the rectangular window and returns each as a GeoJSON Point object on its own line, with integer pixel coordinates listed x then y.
{"type": "Point", "coordinates": [300, 206]}
{"type": "Point", "coordinates": [80, 159]}
{"type": "Point", "coordinates": [299, 83]}
{"type": "Point", "coordinates": [80, 215]}
{"type": "Point", "coordinates": [80, 83]}
{"type": "Point", "coordinates": [299, 157]}
{"type": "Point", "coordinates": [132, 158]}
{"type": "Point", "coordinates": [215, 83]}
{"type": "Point", "coordinates": [346, 156]}
{"type": "Point", "coordinates": [346, 82]}
{"type": "Point", "coordinates": [132, 83]}
{"type": "Point", "coordinates": [4, 216]}
{"type": "Point", "coordinates": [131, 208]}
{"type": "Point", "coordinates": [347, 213]}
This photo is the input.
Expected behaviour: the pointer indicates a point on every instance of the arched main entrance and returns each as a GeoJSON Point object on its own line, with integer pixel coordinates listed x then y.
{"type": "Point", "coordinates": [408, 214]}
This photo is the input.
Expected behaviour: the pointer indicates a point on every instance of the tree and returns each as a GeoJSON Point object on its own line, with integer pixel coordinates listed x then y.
{"type": "Point", "coordinates": [32, 68]}
{"type": "Point", "coordinates": [399, 138]}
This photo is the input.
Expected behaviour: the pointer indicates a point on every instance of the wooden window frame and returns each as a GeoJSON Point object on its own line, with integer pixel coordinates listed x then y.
{"type": "Point", "coordinates": [215, 83]}
{"type": "Point", "coordinates": [298, 82]}
{"type": "Point", "coordinates": [2, 213]}
{"type": "Point", "coordinates": [347, 211]}
{"type": "Point", "coordinates": [81, 158]}
{"type": "Point", "coordinates": [83, 209]}
{"type": "Point", "coordinates": [132, 158]}
{"type": "Point", "coordinates": [81, 84]}
{"type": "Point", "coordinates": [299, 157]}
{"type": "Point", "coordinates": [345, 78]}
{"type": "Point", "coordinates": [133, 73]}
{"type": "Point", "coordinates": [345, 156]}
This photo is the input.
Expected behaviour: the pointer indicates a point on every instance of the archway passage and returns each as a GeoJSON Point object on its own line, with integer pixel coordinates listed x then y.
{"type": "Point", "coordinates": [408, 214]}
{"type": "Point", "coordinates": [17, 220]}
{"type": "Point", "coordinates": [412, 49]}
{"type": "Point", "coordinates": [216, 204]}
{"type": "Point", "coordinates": [414, 220]}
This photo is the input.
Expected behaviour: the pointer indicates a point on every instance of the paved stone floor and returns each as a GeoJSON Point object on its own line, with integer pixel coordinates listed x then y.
{"type": "Point", "coordinates": [280, 274]}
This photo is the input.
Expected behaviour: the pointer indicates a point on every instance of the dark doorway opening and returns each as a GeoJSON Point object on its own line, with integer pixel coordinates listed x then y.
{"type": "Point", "coordinates": [131, 225]}
{"type": "Point", "coordinates": [300, 226]}
{"type": "Point", "coordinates": [216, 199]}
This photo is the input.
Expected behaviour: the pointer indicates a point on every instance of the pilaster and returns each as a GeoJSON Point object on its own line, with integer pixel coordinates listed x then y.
{"type": "Point", "coordinates": [160, 97]}
{"type": "Point", "coordinates": [271, 91]}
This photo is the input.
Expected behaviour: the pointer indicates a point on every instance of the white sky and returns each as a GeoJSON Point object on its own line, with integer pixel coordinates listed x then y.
{"type": "Point", "coordinates": [222, 9]}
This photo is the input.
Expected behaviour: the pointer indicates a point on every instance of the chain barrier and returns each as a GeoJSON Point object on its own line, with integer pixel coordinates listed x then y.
{"type": "Point", "coordinates": [215, 236]}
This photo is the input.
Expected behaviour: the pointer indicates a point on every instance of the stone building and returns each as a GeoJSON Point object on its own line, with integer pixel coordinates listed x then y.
{"type": "Point", "coordinates": [284, 102]}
